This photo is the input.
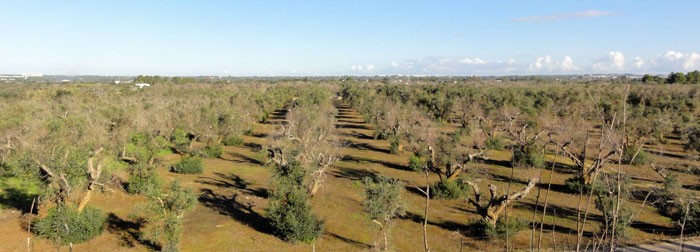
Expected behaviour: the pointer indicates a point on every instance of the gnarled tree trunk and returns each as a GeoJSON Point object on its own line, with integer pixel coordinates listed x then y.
{"type": "Point", "coordinates": [93, 176]}
{"type": "Point", "coordinates": [493, 208]}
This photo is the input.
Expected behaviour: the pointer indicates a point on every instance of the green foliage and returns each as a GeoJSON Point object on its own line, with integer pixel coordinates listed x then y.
{"type": "Point", "coordinates": [504, 228]}
{"type": "Point", "coordinates": [672, 201]}
{"type": "Point", "coordinates": [527, 156]}
{"type": "Point", "coordinates": [693, 137]}
{"type": "Point", "coordinates": [172, 233]}
{"type": "Point", "coordinates": [448, 189]}
{"type": "Point", "coordinates": [641, 158]}
{"type": "Point", "coordinates": [648, 78]}
{"type": "Point", "coordinates": [188, 165]}
{"type": "Point", "coordinates": [18, 192]}
{"type": "Point", "coordinates": [177, 199]}
{"type": "Point", "coordinates": [180, 140]}
{"type": "Point", "coordinates": [233, 141]}
{"type": "Point", "coordinates": [144, 181]}
{"type": "Point", "coordinates": [290, 215]}
{"type": "Point", "coordinates": [383, 200]}
{"type": "Point", "coordinates": [163, 215]}
{"type": "Point", "coordinates": [667, 199]}
{"type": "Point", "coordinates": [20, 165]}
{"type": "Point", "coordinates": [495, 143]}
{"type": "Point", "coordinates": [65, 225]}
{"type": "Point", "coordinates": [213, 151]}
{"type": "Point", "coordinates": [576, 185]}
{"type": "Point", "coordinates": [151, 79]}
{"type": "Point", "coordinates": [415, 163]}
{"type": "Point", "coordinates": [289, 210]}
{"type": "Point", "coordinates": [394, 144]}
{"type": "Point", "coordinates": [676, 78]}
{"type": "Point", "coordinates": [693, 77]}
{"type": "Point", "coordinates": [606, 193]}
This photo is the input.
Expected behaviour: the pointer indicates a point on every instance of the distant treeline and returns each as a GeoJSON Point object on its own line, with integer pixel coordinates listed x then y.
{"type": "Point", "coordinates": [674, 78]}
{"type": "Point", "coordinates": [155, 79]}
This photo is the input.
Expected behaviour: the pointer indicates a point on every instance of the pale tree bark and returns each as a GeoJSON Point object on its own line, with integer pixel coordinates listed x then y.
{"type": "Point", "coordinates": [425, 192]}
{"type": "Point", "coordinates": [451, 172]}
{"type": "Point", "coordinates": [586, 172]}
{"type": "Point", "coordinates": [318, 176]}
{"type": "Point", "coordinates": [93, 176]}
{"type": "Point", "coordinates": [60, 180]}
{"type": "Point", "coordinates": [492, 209]}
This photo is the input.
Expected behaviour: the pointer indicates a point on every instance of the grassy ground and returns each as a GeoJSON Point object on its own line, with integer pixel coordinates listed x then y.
{"type": "Point", "coordinates": [230, 213]}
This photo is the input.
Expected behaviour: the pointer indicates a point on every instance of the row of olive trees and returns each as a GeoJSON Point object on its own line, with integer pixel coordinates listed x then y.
{"type": "Point", "coordinates": [627, 120]}
{"type": "Point", "coordinates": [70, 139]}
{"type": "Point", "coordinates": [299, 154]}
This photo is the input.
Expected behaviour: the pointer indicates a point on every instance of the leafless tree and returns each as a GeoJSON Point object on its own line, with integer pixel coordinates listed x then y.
{"type": "Point", "coordinates": [491, 209]}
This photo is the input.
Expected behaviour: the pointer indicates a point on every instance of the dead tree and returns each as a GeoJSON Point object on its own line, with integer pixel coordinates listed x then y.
{"type": "Point", "coordinates": [491, 210]}
{"type": "Point", "coordinates": [274, 154]}
{"type": "Point", "coordinates": [661, 171]}
{"type": "Point", "coordinates": [524, 140]}
{"type": "Point", "coordinates": [57, 180]}
{"type": "Point", "coordinates": [93, 177]}
{"type": "Point", "coordinates": [64, 188]}
{"type": "Point", "coordinates": [450, 171]}
{"type": "Point", "coordinates": [586, 172]}
{"type": "Point", "coordinates": [318, 176]}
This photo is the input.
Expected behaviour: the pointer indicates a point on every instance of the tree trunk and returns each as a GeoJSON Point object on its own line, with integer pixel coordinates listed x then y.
{"type": "Point", "coordinates": [84, 200]}
{"type": "Point", "coordinates": [586, 178]}
{"type": "Point", "coordinates": [493, 213]}
{"type": "Point", "coordinates": [93, 176]}
{"type": "Point", "coordinates": [314, 187]}
{"type": "Point", "coordinates": [386, 240]}
{"type": "Point", "coordinates": [425, 218]}
{"type": "Point", "coordinates": [454, 174]}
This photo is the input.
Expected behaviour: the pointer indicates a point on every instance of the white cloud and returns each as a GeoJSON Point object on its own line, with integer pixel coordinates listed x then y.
{"type": "Point", "coordinates": [363, 69]}
{"type": "Point", "coordinates": [454, 66]}
{"type": "Point", "coordinates": [692, 62]}
{"type": "Point", "coordinates": [638, 63]}
{"type": "Point", "coordinates": [546, 64]}
{"type": "Point", "coordinates": [613, 62]}
{"type": "Point", "coordinates": [672, 55]}
{"type": "Point", "coordinates": [560, 16]}
{"type": "Point", "coordinates": [675, 61]}
{"type": "Point", "coordinates": [567, 64]}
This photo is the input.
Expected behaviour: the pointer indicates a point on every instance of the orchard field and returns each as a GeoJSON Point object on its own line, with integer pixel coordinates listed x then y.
{"type": "Point", "coordinates": [347, 165]}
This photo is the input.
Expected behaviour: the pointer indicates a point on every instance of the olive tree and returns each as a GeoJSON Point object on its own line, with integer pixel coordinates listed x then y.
{"type": "Point", "coordinates": [383, 202]}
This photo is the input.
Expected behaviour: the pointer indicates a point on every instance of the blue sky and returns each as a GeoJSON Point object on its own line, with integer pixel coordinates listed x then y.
{"type": "Point", "coordinates": [244, 38]}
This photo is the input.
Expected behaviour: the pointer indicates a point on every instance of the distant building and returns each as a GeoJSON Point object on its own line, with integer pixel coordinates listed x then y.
{"type": "Point", "coordinates": [65, 81]}
{"type": "Point", "coordinates": [142, 85]}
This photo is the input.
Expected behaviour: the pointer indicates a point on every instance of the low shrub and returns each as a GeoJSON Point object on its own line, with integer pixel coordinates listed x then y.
{"type": "Point", "coordinates": [692, 135]}
{"type": "Point", "coordinates": [504, 228]}
{"type": "Point", "coordinates": [232, 141]}
{"type": "Point", "coordinates": [213, 151]}
{"type": "Point", "coordinates": [180, 140]}
{"type": "Point", "coordinates": [527, 156]}
{"type": "Point", "coordinates": [66, 225]}
{"type": "Point", "coordinates": [144, 182]}
{"type": "Point", "coordinates": [291, 216]}
{"type": "Point", "coordinates": [574, 185]}
{"type": "Point", "coordinates": [188, 165]}
{"type": "Point", "coordinates": [394, 145]}
{"type": "Point", "coordinates": [448, 189]}
{"type": "Point", "coordinates": [495, 143]}
{"type": "Point", "coordinates": [415, 163]}
{"type": "Point", "coordinates": [642, 158]}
